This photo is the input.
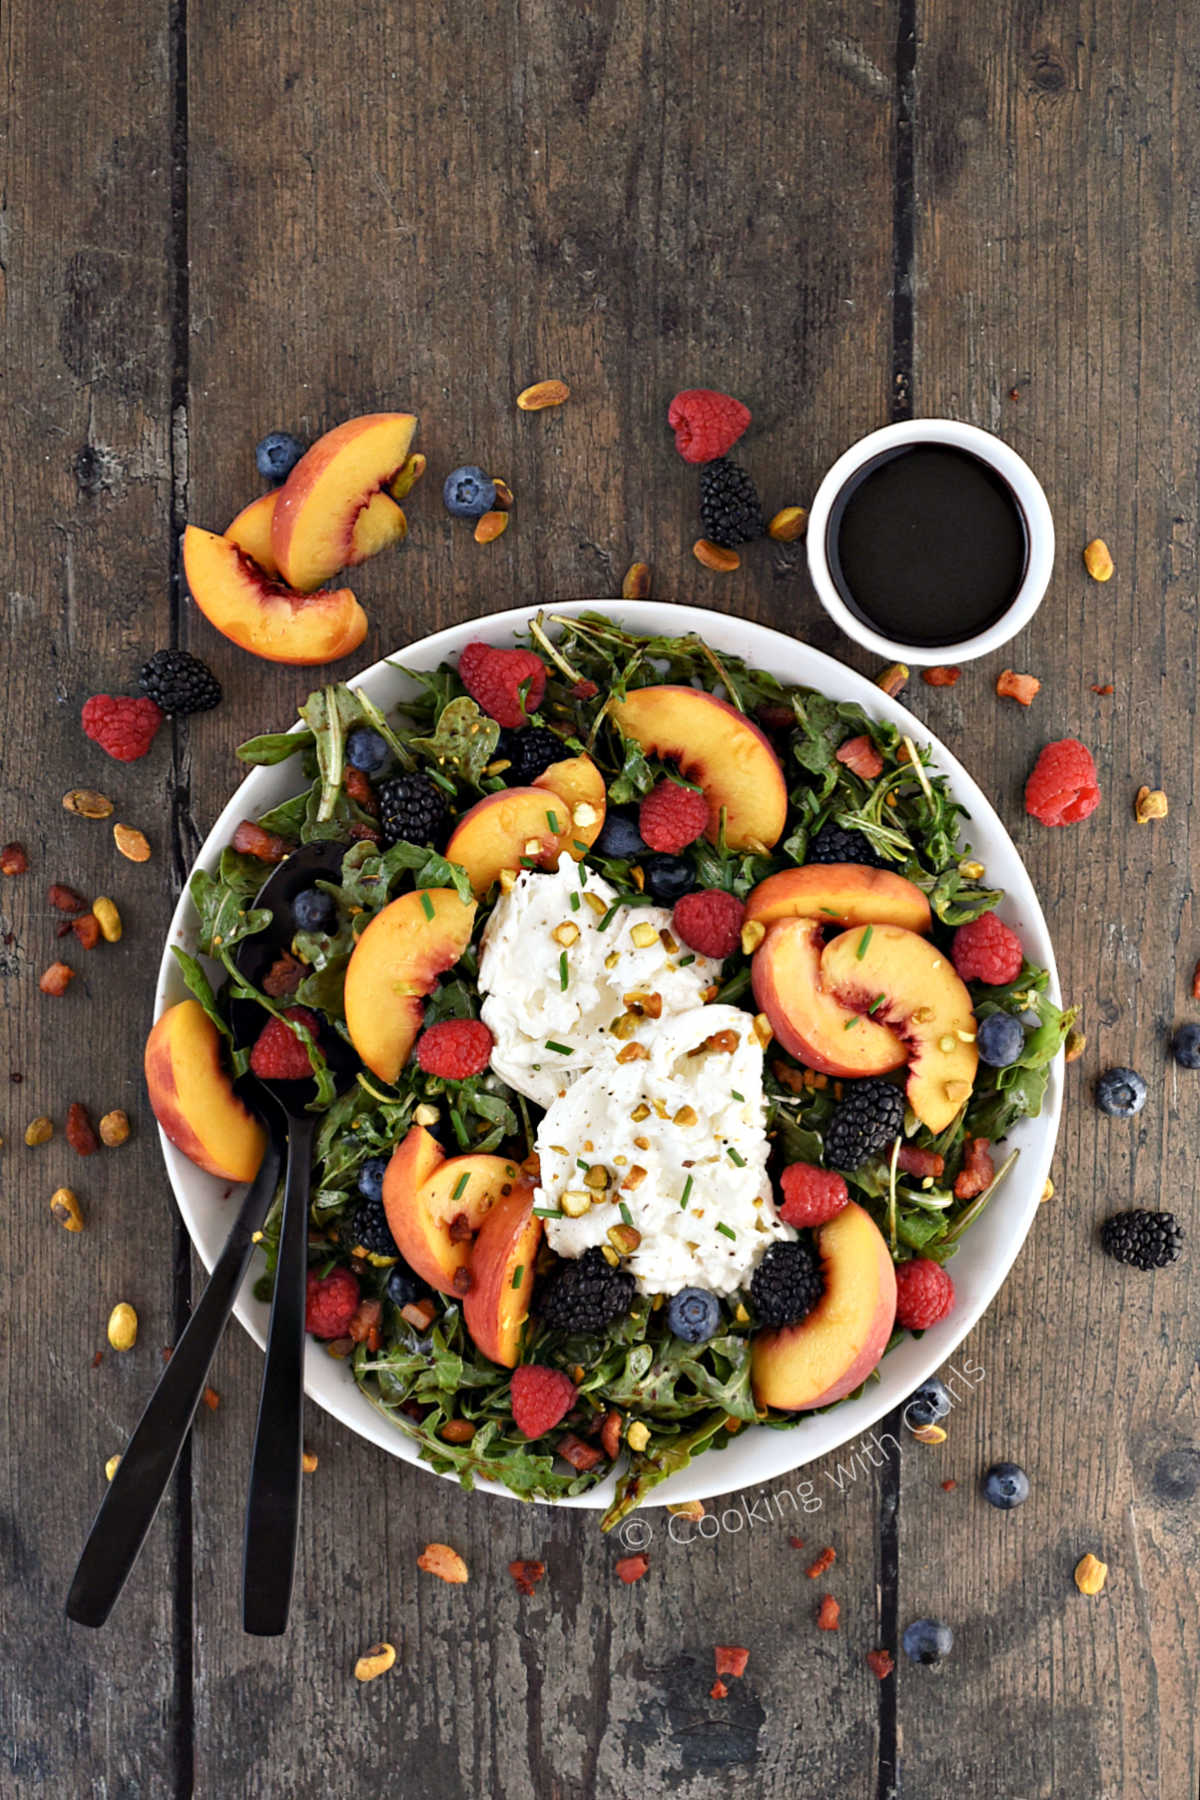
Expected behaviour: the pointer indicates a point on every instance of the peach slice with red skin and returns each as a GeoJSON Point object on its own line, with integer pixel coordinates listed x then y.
{"type": "Point", "coordinates": [193, 1099]}
{"type": "Point", "coordinates": [261, 615]}
{"type": "Point", "coordinates": [394, 964]}
{"type": "Point", "coordinates": [435, 1205]}
{"type": "Point", "coordinates": [806, 1018]}
{"type": "Point", "coordinates": [251, 532]}
{"type": "Point", "coordinates": [380, 523]}
{"type": "Point", "coordinates": [839, 894]}
{"type": "Point", "coordinates": [719, 748]}
{"type": "Point", "coordinates": [496, 1305]}
{"type": "Point", "coordinates": [578, 783]}
{"type": "Point", "coordinates": [318, 506]}
{"type": "Point", "coordinates": [826, 1355]}
{"type": "Point", "coordinates": [507, 830]}
{"type": "Point", "coordinates": [911, 986]}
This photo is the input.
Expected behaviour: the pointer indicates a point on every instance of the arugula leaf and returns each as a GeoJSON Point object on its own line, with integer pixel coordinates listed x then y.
{"type": "Point", "coordinates": [463, 743]}
{"type": "Point", "coordinates": [224, 918]}
{"type": "Point", "coordinates": [274, 746]}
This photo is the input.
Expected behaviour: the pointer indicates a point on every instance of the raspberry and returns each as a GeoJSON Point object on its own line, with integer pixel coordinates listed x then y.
{"type": "Point", "coordinates": [924, 1294]}
{"type": "Point", "coordinates": [330, 1303]}
{"type": "Point", "coordinates": [121, 725]}
{"type": "Point", "coordinates": [709, 921]}
{"type": "Point", "coordinates": [987, 950]}
{"type": "Point", "coordinates": [706, 424]}
{"type": "Point", "coordinates": [279, 1055]}
{"type": "Point", "coordinates": [811, 1196]}
{"type": "Point", "coordinates": [1064, 786]}
{"type": "Point", "coordinates": [493, 678]}
{"type": "Point", "coordinates": [671, 817]}
{"type": "Point", "coordinates": [541, 1397]}
{"type": "Point", "coordinates": [455, 1049]}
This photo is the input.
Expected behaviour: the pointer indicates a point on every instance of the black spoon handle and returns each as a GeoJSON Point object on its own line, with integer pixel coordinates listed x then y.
{"type": "Point", "coordinates": [273, 1508]}
{"type": "Point", "coordinates": [128, 1508]}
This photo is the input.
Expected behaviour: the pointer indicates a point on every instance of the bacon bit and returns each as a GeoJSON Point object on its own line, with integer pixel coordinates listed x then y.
{"type": "Point", "coordinates": [1196, 982]}
{"type": "Point", "coordinates": [445, 1563]}
{"type": "Point", "coordinates": [880, 1663]}
{"type": "Point", "coordinates": [581, 1456]}
{"type": "Point", "coordinates": [211, 1399]}
{"type": "Point", "coordinates": [168, 1350]}
{"type": "Point", "coordinates": [948, 1487]}
{"type": "Point", "coordinates": [457, 1431]}
{"type": "Point", "coordinates": [368, 1313]}
{"type": "Point", "coordinates": [13, 860]}
{"type": "Point", "coordinates": [610, 1434]}
{"type": "Point", "coordinates": [1106, 689]}
{"type": "Point", "coordinates": [1075, 1042]}
{"type": "Point", "coordinates": [828, 1613]}
{"type": "Point", "coordinates": [363, 834]}
{"type": "Point", "coordinates": [786, 1076]}
{"type": "Point", "coordinates": [977, 1169]}
{"type": "Point", "coordinates": [87, 930]}
{"type": "Point", "coordinates": [527, 1574]}
{"type": "Point", "coordinates": [915, 1161]}
{"type": "Point", "coordinates": [374, 1338]}
{"type": "Point", "coordinates": [585, 690]}
{"type": "Point", "coordinates": [860, 755]}
{"type": "Point", "coordinates": [632, 1568]}
{"type": "Point", "coordinates": [730, 1659]}
{"type": "Point", "coordinates": [80, 1132]}
{"type": "Point", "coordinates": [944, 675]}
{"type": "Point", "coordinates": [97, 1359]}
{"type": "Point", "coordinates": [66, 900]}
{"type": "Point", "coordinates": [56, 979]}
{"type": "Point", "coordinates": [776, 718]}
{"type": "Point", "coordinates": [459, 1229]}
{"type": "Point", "coordinates": [718, 1690]}
{"type": "Point", "coordinates": [461, 1282]}
{"type": "Point", "coordinates": [796, 1543]}
{"type": "Point", "coordinates": [418, 1314]}
{"type": "Point", "coordinates": [251, 840]}
{"type": "Point", "coordinates": [284, 976]}
{"type": "Point", "coordinates": [1022, 688]}
{"type": "Point", "coordinates": [723, 1042]}
{"type": "Point", "coordinates": [825, 1560]}
{"type": "Point", "coordinates": [359, 789]}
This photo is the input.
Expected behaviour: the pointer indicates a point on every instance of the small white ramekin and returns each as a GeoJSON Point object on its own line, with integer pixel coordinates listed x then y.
{"type": "Point", "coordinates": [1008, 465]}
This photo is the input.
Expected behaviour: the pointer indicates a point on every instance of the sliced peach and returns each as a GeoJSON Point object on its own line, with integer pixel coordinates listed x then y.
{"type": "Point", "coordinates": [380, 523]}
{"type": "Point", "coordinates": [394, 964]}
{"type": "Point", "coordinates": [911, 986]}
{"type": "Point", "coordinates": [251, 532]}
{"type": "Point", "coordinates": [434, 1222]}
{"type": "Point", "coordinates": [511, 829]}
{"type": "Point", "coordinates": [312, 533]}
{"type": "Point", "coordinates": [806, 1018]}
{"type": "Point", "coordinates": [262, 615]}
{"type": "Point", "coordinates": [192, 1095]}
{"type": "Point", "coordinates": [718, 747]}
{"type": "Point", "coordinates": [840, 894]}
{"type": "Point", "coordinates": [410, 1165]}
{"type": "Point", "coordinates": [502, 1267]}
{"type": "Point", "coordinates": [578, 783]}
{"type": "Point", "coordinates": [827, 1355]}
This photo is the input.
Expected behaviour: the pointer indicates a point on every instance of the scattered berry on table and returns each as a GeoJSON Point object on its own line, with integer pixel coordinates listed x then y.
{"type": "Point", "coordinates": [694, 1315]}
{"type": "Point", "coordinates": [531, 752]}
{"type": "Point", "coordinates": [403, 1287]}
{"type": "Point", "coordinates": [929, 1403]}
{"type": "Point", "coordinates": [730, 510]}
{"type": "Point", "coordinates": [508, 684]}
{"type": "Point", "coordinates": [276, 455]}
{"type": "Point", "coordinates": [367, 751]}
{"type": "Point", "coordinates": [999, 1039]}
{"type": "Point", "coordinates": [1145, 1240]}
{"type": "Point", "coordinates": [123, 726]}
{"type": "Point", "coordinates": [541, 1398]}
{"type": "Point", "coordinates": [924, 1294]}
{"type": "Point", "coordinates": [707, 424]}
{"type": "Point", "coordinates": [370, 1177]}
{"type": "Point", "coordinates": [279, 1055]}
{"type": "Point", "coordinates": [709, 921]}
{"type": "Point", "coordinates": [927, 1641]}
{"type": "Point", "coordinates": [1063, 787]}
{"type": "Point", "coordinates": [867, 1120]}
{"type": "Point", "coordinates": [834, 844]}
{"type": "Point", "coordinates": [1005, 1486]}
{"type": "Point", "coordinates": [314, 910]}
{"type": "Point", "coordinates": [370, 1231]}
{"type": "Point", "coordinates": [986, 949]}
{"type": "Point", "coordinates": [455, 1049]}
{"type": "Point", "coordinates": [330, 1303]}
{"type": "Point", "coordinates": [179, 683]}
{"type": "Point", "coordinates": [1185, 1046]}
{"type": "Point", "coordinates": [468, 493]}
{"type": "Point", "coordinates": [412, 809]}
{"type": "Point", "coordinates": [1121, 1093]}
{"type": "Point", "coordinates": [811, 1196]}
{"type": "Point", "coordinates": [672, 816]}
{"type": "Point", "coordinates": [668, 878]}
{"type": "Point", "coordinates": [619, 837]}
{"type": "Point", "coordinates": [787, 1283]}
{"type": "Point", "coordinates": [584, 1295]}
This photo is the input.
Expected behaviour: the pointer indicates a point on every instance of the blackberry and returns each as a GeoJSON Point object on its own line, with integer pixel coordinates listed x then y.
{"type": "Point", "coordinates": [834, 844]}
{"type": "Point", "coordinates": [730, 510]}
{"type": "Point", "coordinates": [867, 1120]}
{"type": "Point", "coordinates": [370, 1230]}
{"type": "Point", "coordinates": [530, 752]}
{"type": "Point", "coordinates": [412, 809]}
{"type": "Point", "coordinates": [179, 683]}
{"type": "Point", "coordinates": [1146, 1240]}
{"type": "Point", "coordinates": [585, 1295]}
{"type": "Point", "coordinates": [787, 1283]}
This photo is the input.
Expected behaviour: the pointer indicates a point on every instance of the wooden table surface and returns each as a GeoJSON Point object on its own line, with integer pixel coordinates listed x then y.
{"type": "Point", "coordinates": [218, 219]}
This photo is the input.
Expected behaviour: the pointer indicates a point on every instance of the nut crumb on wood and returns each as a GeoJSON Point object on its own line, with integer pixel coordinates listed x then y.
{"type": "Point", "coordinates": [631, 1568]}
{"type": "Point", "coordinates": [1022, 688]}
{"type": "Point", "coordinates": [1097, 560]}
{"type": "Point", "coordinates": [542, 394]}
{"type": "Point", "coordinates": [375, 1662]}
{"type": "Point", "coordinates": [132, 843]}
{"type": "Point", "coordinates": [881, 1663]}
{"type": "Point", "coordinates": [828, 1613]}
{"type": "Point", "coordinates": [1151, 803]}
{"type": "Point", "coordinates": [445, 1563]}
{"type": "Point", "coordinates": [1090, 1574]}
{"type": "Point", "coordinates": [56, 979]}
{"type": "Point", "coordinates": [526, 1572]}
{"type": "Point", "coordinates": [716, 557]}
{"type": "Point", "coordinates": [942, 675]}
{"type": "Point", "coordinates": [825, 1560]}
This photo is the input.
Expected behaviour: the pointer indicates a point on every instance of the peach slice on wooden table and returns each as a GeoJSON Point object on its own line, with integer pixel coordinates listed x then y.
{"type": "Point", "coordinates": [434, 1219]}
{"type": "Point", "coordinates": [839, 894]}
{"type": "Point", "coordinates": [318, 506]}
{"type": "Point", "coordinates": [380, 523]}
{"type": "Point", "coordinates": [193, 1099]}
{"type": "Point", "coordinates": [806, 1018]}
{"type": "Point", "coordinates": [251, 532]}
{"type": "Point", "coordinates": [911, 986]}
{"type": "Point", "coordinates": [394, 965]}
{"type": "Point", "coordinates": [511, 829]}
{"type": "Point", "coordinates": [496, 1305]}
{"type": "Point", "coordinates": [826, 1355]}
{"type": "Point", "coordinates": [719, 748]}
{"type": "Point", "coordinates": [261, 615]}
{"type": "Point", "coordinates": [578, 783]}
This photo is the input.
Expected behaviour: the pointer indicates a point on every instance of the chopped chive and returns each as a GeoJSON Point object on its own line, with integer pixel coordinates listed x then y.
{"type": "Point", "coordinates": [547, 1212]}
{"type": "Point", "coordinates": [578, 844]}
{"type": "Point", "coordinates": [527, 862]}
{"type": "Point", "coordinates": [563, 974]}
{"type": "Point", "coordinates": [607, 920]}
{"type": "Point", "coordinates": [687, 1188]}
{"type": "Point", "coordinates": [562, 1049]}
{"type": "Point", "coordinates": [580, 1164]}
{"type": "Point", "coordinates": [863, 941]}
{"type": "Point", "coordinates": [727, 1231]}
{"type": "Point", "coordinates": [443, 781]}
{"type": "Point", "coordinates": [734, 1093]}
{"type": "Point", "coordinates": [460, 1186]}
{"type": "Point", "coordinates": [574, 898]}
{"type": "Point", "coordinates": [735, 1156]}
{"type": "Point", "coordinates": [877, 1002]}
{"type": "Point", "coordinates": [685, 960]}
{"type": "Point", "coordinates": [850, 1024]}
{"type": "Point", "coordinates": [582, 873]}
{"type": "Point", "coordinates": [460, 1130]}
{"type": "Point", "coordinates": [552, 822]}
{"type": "Point", "coordinates": [831, 911]}
{"type": "Point", "coordinates": [517, 1274]}
{"type": "Point", "coordinates": [626, 1214]}
{"type": "Point", "coordinates": [426, 904]}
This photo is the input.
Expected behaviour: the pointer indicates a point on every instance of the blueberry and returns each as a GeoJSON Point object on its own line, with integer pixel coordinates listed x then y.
{"type": "Point", "coordinates": [619, 836]}
{"type": "Point", "coordinates": [668, 878]}
{"type": "Point", "coordinates": [367, 751]}
{"type": "Point", "coordinates": [1006, 1485]}
{"type": "Point", "coordinates": [403, 1287]}
{"type": "Point", "coordinates": [927, 1641]}
{"type": "Point", "coordinates": [370, 1177]}
{"type": "Point", "coordinates": [1000, 1040]}
{"type": "Point", "coordinates": [277, 454]}
{"type": "Point", "coordinates": [1121, 1093]}
{"type": "Point", "coordinates": [931, 1402]}
{"type": "Point", "coordinates": [694, 1314]}
{"type": "Point", "coordinates": [468, 492]}
{"type": "Point", "coordinates": [314, 910]}
{"type": "Point", "coordinates": [1186, 1046]}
